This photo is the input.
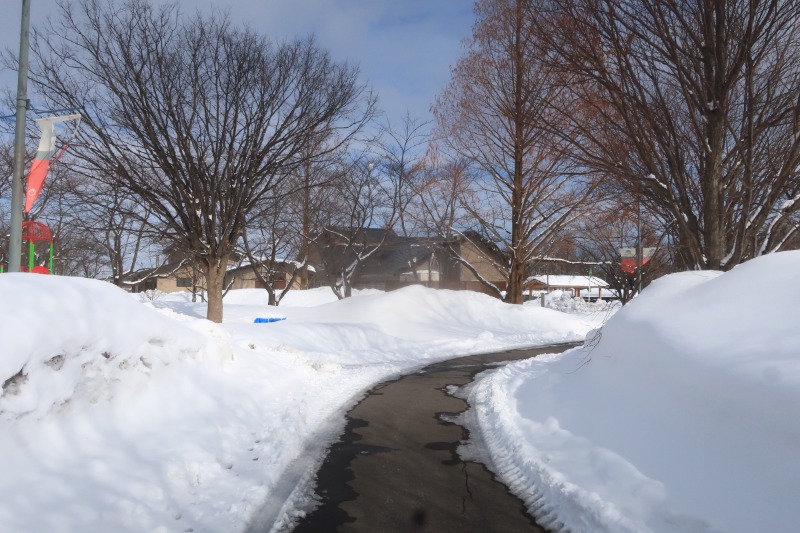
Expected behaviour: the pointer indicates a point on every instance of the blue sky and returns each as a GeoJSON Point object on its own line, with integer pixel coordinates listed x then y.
{"type": "Point", "coordinates": [404, 48]}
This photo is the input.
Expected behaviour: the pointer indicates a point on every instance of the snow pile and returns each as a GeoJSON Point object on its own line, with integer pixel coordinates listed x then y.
{"type": "Point", "coordinates": [566, 303]}
{"type": "Point", "coordinates": [52, 355]}
{"type": "Point", "coordinates": [124, 413]}
{"type": "Point", "coordinates": [681, 414]}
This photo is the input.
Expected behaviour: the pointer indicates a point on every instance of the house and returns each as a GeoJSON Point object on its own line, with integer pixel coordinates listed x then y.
{"type": "Point", "coordinates": [181, 276]}
{"type": "Point", "coordinates": [169, 277]}
{"type": "Point", "coordinates": [244, 276]}
{"type": "Point", "coordinates": [386, 260]}
{"type": "Point", "coordinates": [482, 255]}
{"type": "Point", "coordinates": [389, 261]}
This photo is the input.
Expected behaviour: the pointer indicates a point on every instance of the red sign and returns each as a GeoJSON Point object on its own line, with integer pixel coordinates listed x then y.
{"type": "Point", "coordinates": [629, 265]}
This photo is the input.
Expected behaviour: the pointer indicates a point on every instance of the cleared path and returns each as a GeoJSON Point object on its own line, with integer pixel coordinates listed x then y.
{"type": "Point", "coordinates": [396, 468]}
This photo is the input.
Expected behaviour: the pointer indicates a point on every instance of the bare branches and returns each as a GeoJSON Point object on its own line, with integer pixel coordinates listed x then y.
{"type": "Point", "coordinates": [362, 217]}
{"type": "Point", "coordinates": [498, 113]}
{"type": "Point", "coordinates": [199, 120]}
{"type": "Point", "coordinates": [401, 152]}
{"type": "Point", "coordinates": [697, 105]}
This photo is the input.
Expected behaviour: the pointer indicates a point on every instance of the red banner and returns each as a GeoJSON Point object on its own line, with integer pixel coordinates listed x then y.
{"type": "Point", "coordinates": [44, 155]}
{"type": "Point", "coordinates": [36, 178]}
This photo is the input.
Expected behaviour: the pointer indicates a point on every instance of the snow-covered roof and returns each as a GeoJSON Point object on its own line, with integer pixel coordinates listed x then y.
{"type": "Point", "coordinates": [278, 261]}
{"type": "Point", "coordinates": [569, 281]}
{"type": "Point", "coordinates": [163, 271]}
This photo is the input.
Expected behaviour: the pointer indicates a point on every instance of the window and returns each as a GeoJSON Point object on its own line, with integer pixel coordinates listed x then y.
{"type": "Point", "coordinates": [184, 282]}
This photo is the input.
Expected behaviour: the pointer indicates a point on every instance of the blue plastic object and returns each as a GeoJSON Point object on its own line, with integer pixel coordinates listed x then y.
{"type": "Point", "coordinates": [269, 319]}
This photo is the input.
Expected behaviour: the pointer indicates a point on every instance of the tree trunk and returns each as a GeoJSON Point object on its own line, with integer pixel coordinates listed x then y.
{"type": "Point", "coordinates": [713, 227]}
{"type": "Point", "coordinates": [306, 229]}
{"type": "Point", "coordinates": [215, 278]}
{"type": "Point", "coordinates": [348, 289]}
{"type": "Point", "coordinates": [516, 281]}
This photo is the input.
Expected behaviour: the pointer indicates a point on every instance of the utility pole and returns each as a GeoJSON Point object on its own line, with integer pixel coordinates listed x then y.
{"type": "Point", "coordinates": [17, 186]}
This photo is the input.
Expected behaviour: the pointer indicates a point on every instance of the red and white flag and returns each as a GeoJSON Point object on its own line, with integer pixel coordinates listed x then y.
{"type": "Point", "coordinates": [44, 157]}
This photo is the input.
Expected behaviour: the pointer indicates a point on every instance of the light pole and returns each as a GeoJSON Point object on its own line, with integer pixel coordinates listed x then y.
{"type": "Point", "coordinates": [17, 188]}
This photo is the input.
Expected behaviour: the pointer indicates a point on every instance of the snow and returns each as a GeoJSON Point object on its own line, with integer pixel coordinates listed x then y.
{"type": "Point", "coordinates": [661, 184]}
{"type": "Point", "coordinates": [679, 415]}
{"type": "Point", "coordinates": [565, 302]}
{"type": "Point", "coordinates": [120, 413]}
{"type": "Point", "coordinates": [604, 293]}
{"type": "Point", "coordinates": [126, 412]}
{"type": "Point", "coordinates": [569, 281]}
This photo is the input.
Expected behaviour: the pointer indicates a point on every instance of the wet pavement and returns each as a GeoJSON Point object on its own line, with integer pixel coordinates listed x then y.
{"type": "Point", "coordinates": [396, 468]}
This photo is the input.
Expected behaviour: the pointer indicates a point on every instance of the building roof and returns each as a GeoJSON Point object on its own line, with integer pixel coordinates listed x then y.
{"type": "Point", "coordinates": [558, 281]}
{"type": "Point", "coordinates": [368, 236]}
{"type": "Point", "coordinates": [163, 271]}
{"type": "Point", "coordinates": [247, 265]}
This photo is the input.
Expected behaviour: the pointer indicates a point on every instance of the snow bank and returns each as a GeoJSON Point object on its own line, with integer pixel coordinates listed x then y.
{"type": "Point", "coordinates": [681, 414]}
{"type": "Point", "coordinates": [138, 415]}
{"type": "Point", "coordinates": [566, 303]}
{"type": "Point", "coordinates": [52, 354]}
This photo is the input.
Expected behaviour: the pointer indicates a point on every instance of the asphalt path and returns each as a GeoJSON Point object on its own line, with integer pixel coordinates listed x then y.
{"type": "Point", "coordinates": [396, 469]}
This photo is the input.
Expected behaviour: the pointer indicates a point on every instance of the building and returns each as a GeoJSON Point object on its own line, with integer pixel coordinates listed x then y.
{"type": "Point", "coordinates": [590, 287]}
{"type": "Point", "coordinates": [181, 276]}
{"type": "Point", "coordinates": [387, 261]}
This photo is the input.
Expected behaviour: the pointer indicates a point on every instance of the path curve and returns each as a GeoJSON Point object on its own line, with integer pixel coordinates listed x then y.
{"type": "Point", "coordinates": [396, 467]}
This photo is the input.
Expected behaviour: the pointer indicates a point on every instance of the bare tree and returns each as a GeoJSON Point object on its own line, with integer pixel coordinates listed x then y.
{"type": "Point", "coordinates": [311, 207]}
{"type": "Point", "coordinates": [436, 204]}
{"type": "Point", "coordinates": [524, 188]}
{"type": "Point", "coordinates": [6, 167]}
{"type": "Point", "coordinates": [361, 221]}
{"type": "Point", "coordinates": [99, 229]}
{"type": "Point", "coordinates": [616, 224]}
{"type": "Point", "coordinates": [696, 107]}
{"type": "Point", "coordinates": [437, 210]}
{"type": "Point", "coordinates": [117, 222]}
{"type": "Point", "coordinates": [76, 253]}
{"type": "Point", "coordinates": [199, 120]}
{"type": "Point", "coordinates": [286, 226]}
{"type": "Point", "coordinates": [271, 239]}
{"type": "Point", "coordinates": [317, 203]}
{"type": "Point", "coordinates": [400, 152]}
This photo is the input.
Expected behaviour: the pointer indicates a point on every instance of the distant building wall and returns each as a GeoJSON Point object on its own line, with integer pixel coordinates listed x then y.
{"type": "Point", "coordinates": [481, 263]}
